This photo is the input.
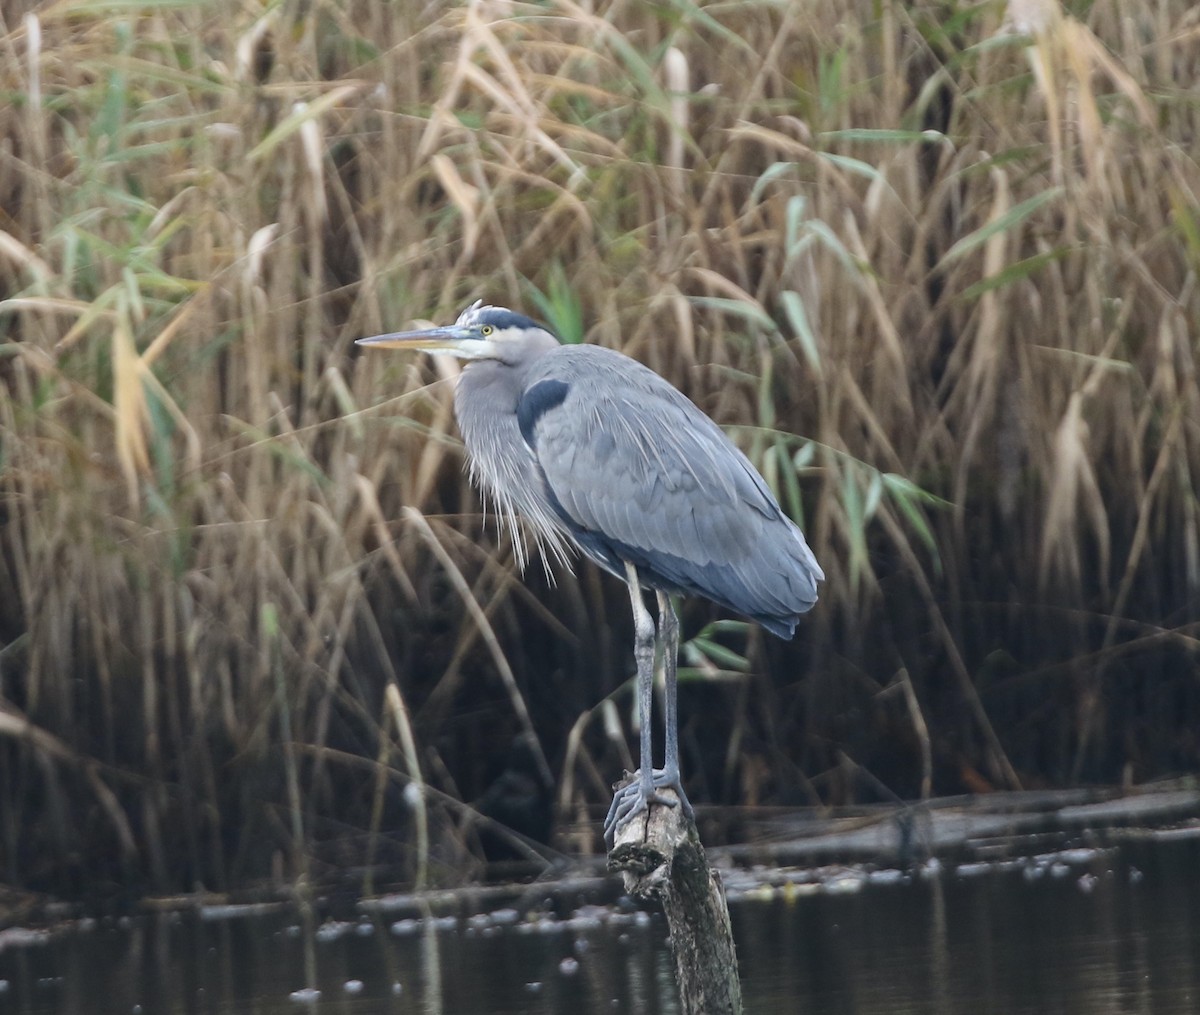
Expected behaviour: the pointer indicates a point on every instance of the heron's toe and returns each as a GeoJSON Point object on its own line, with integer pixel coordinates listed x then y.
{"type": "Point", "coordinates": [665, 779]}
{"type": "Point", "coordinates": [628, 802]}
{"type": "Point", "coordinates": [635, 798]}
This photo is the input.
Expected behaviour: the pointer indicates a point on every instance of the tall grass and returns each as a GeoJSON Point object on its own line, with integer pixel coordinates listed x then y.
{"type": "Point", "coordinates": [938, 277]}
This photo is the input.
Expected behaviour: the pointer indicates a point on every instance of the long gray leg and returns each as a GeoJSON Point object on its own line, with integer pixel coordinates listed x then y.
{"type": "Point", "coordinates": [643, 654]}
{"type": "Point", "coordinates": [668, 636]}
{"type": "Point", "coordinates": [636, 797]}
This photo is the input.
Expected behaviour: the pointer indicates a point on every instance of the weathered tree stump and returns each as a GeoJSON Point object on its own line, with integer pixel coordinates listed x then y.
{"type": "Point", "coordinates": [660, 857]}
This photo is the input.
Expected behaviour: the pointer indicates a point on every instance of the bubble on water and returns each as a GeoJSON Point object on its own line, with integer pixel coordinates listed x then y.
{"type": "Point", "coordinates": [331, 930]}
{"type": "Point", "coordinates": [887, 876]}
{"type": "Point", "coordinates": [305, 995]}
{"type": "Point", "coordinates": [845, 883]}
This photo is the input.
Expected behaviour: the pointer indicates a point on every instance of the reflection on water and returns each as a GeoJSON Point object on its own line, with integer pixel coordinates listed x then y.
{"type": "Point", "coordinates": [1081, 931]}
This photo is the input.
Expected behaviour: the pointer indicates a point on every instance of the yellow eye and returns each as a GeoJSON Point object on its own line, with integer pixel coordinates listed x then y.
{"type": "Point", "coordinates": [486, 329]}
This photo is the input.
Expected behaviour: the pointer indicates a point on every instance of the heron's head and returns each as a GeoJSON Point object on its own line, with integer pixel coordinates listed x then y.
{"type": "Point", "coordinates": [480, 332]}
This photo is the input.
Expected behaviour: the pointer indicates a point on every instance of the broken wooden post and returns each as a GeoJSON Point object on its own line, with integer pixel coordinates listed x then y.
{"type": "Point", "coordinates": [660, 856]}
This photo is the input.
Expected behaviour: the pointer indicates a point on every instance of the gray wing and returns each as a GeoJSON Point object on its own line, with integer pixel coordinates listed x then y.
{"type": "Point", "coordinates": [636, 472]}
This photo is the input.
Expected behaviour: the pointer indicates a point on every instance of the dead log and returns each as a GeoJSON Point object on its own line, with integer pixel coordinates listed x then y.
{"type": "Point", "coordinates": [660, 857]}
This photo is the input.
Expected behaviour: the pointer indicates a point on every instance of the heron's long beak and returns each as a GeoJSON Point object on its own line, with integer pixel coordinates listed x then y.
{"type": "Point", "coordinates": [446, 339]}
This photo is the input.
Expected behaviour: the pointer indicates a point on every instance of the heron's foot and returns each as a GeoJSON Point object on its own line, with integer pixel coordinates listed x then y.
{"type": "Point", "coordinates": [636, 796]}
{"type": "Point", "coordinates": [665, 778]}
{"type": "Point", "coordinates": [630, 801]}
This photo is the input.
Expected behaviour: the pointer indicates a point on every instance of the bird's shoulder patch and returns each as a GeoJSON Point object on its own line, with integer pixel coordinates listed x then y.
{"type": "Point", "coordinates": [538, 400]}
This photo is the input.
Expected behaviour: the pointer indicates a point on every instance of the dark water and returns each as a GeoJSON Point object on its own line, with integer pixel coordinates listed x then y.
{"type": "Point", "coordinates": [1077, 932]}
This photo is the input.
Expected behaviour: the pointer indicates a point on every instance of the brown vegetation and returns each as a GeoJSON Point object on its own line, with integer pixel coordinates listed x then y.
{"type": "Point", "coordinates": [938, 278]}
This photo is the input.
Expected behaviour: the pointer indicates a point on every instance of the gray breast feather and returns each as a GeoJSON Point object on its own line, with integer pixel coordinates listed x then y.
{"type": "Point", "coordinates": [628, 456]}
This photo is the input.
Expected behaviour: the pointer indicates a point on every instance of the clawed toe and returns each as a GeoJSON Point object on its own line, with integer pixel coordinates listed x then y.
{"type": "Point", "coordinates": [635, 798]}
{"type": "Point", "coordinates": [664, 779]}
{"type": "Point", "coordinates": [627, 803]}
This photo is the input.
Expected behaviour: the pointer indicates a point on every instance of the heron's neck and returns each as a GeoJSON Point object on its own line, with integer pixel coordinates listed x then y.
{"type": "Point", "coordinates": [485, 402]}
{"type": "Point", "coordinates": [487, 385]}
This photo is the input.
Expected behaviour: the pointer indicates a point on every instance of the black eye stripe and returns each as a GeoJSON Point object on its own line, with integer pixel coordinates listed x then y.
{"type": "Point", "coordinates": [501, 319]}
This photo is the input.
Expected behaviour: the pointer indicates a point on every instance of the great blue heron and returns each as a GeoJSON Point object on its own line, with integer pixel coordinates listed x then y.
{"type": "Point", "coordinates": [598, 452]}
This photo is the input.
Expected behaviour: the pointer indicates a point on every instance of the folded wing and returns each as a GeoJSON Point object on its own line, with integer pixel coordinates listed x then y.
{"type": "Point", "coordinates": [637, 473]}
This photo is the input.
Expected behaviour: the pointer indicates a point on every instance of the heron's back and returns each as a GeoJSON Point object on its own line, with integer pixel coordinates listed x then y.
{"type": "Point", "coordinates": [634, 471]}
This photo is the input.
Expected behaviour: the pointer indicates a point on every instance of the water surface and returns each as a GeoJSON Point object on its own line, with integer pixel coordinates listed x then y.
{"type": "Point", "coordinates": [1077, 931]}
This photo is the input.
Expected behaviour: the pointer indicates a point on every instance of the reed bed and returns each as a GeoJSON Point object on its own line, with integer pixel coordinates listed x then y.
{"type": "Point", "coordinates": [933, 265]}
